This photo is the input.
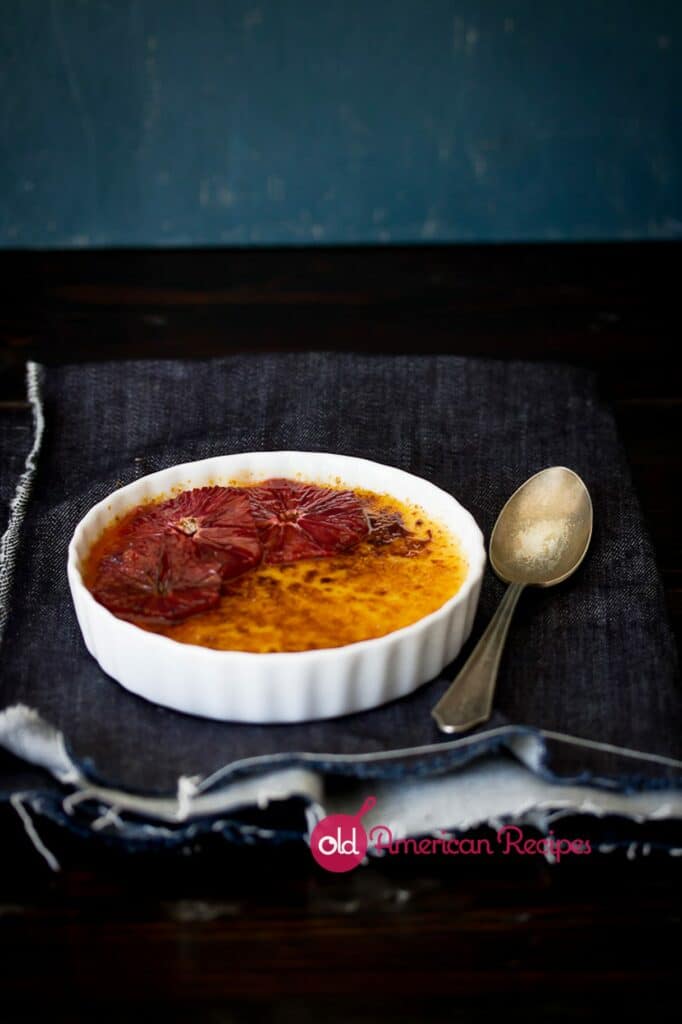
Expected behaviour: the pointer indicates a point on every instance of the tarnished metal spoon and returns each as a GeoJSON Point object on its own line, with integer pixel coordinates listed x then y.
{"type": "Point", "coordinates": [540, 538]}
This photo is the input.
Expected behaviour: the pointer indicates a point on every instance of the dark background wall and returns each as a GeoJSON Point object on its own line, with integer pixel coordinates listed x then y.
{"type": "Point", "coordinates": [168, 122]}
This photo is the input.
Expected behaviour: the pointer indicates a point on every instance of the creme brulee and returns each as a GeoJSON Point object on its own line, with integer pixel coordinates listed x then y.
{"type": "Point", "coordinates": [359, 594]}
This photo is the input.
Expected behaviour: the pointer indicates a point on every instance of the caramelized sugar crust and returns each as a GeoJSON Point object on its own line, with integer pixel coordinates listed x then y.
{"type": "Point", "coordinates": [360, 594]}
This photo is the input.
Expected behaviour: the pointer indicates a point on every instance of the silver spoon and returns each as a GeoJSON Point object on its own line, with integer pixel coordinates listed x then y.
{"type": "Point", "coordinates": [540, 538]}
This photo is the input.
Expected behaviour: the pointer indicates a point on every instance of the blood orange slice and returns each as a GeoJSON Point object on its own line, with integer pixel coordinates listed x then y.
{"type": "Point", "coordinates": [216, 519]}
{"type": "Point", "coordinates": [158, 578]}
{"type": "Point", "coordinates": [305, 521]}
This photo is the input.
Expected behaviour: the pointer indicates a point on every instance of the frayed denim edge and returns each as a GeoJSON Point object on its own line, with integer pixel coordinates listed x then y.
{"type": "Point", "coordinates": [434, 759]}
{"type": "Point", "coordinates": [9, 543]}
{"type": "Point", "coordinates": [441, 757]}
{"type": "Point", "coordinates": [144, 838]}
{"type": "Point", "coordinates": [99, 810]}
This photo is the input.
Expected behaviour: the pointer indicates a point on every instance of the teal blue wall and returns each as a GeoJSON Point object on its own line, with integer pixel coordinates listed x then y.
{"type": "Point", "coordinates": [167, 122]}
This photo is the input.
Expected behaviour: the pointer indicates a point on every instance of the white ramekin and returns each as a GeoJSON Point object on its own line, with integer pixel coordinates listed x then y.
{"type": "Point", "coordinates": [283, 687]}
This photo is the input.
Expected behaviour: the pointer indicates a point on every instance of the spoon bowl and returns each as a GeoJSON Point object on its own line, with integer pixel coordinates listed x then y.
{"type": "Point", "coordinates": [543, 532]}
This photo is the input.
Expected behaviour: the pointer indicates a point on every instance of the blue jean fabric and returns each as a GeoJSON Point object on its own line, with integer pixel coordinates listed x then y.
{"type": "Point", "coordinates": [593, 658]}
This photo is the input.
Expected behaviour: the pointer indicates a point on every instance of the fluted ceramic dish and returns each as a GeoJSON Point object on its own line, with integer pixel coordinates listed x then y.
{"type": "Point", "coordinates": [290, 686]}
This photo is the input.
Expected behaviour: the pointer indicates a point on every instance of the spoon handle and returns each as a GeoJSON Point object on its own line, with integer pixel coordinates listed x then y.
{"type": "Point", "coordinates": [469, 700]}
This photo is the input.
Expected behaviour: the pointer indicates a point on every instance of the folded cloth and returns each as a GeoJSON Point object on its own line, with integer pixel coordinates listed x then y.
{"type": "Point", "coordinates": [286, 804]}
{"type": "Point", "coordinates": [587, 688]}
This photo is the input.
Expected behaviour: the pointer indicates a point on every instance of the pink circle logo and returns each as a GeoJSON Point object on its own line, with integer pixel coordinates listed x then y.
{"type": "Point", "coordinates": [339, 842]}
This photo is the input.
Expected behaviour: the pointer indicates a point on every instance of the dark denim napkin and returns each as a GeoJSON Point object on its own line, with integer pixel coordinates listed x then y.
{"type": "Point", "coordinates": [592, 659]}
{"type": "Point", "coordinates": [16, 440]}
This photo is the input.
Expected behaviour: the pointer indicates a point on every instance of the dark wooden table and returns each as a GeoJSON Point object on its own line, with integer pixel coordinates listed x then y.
{"type": "Point", "coordinates": [259, 935]}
